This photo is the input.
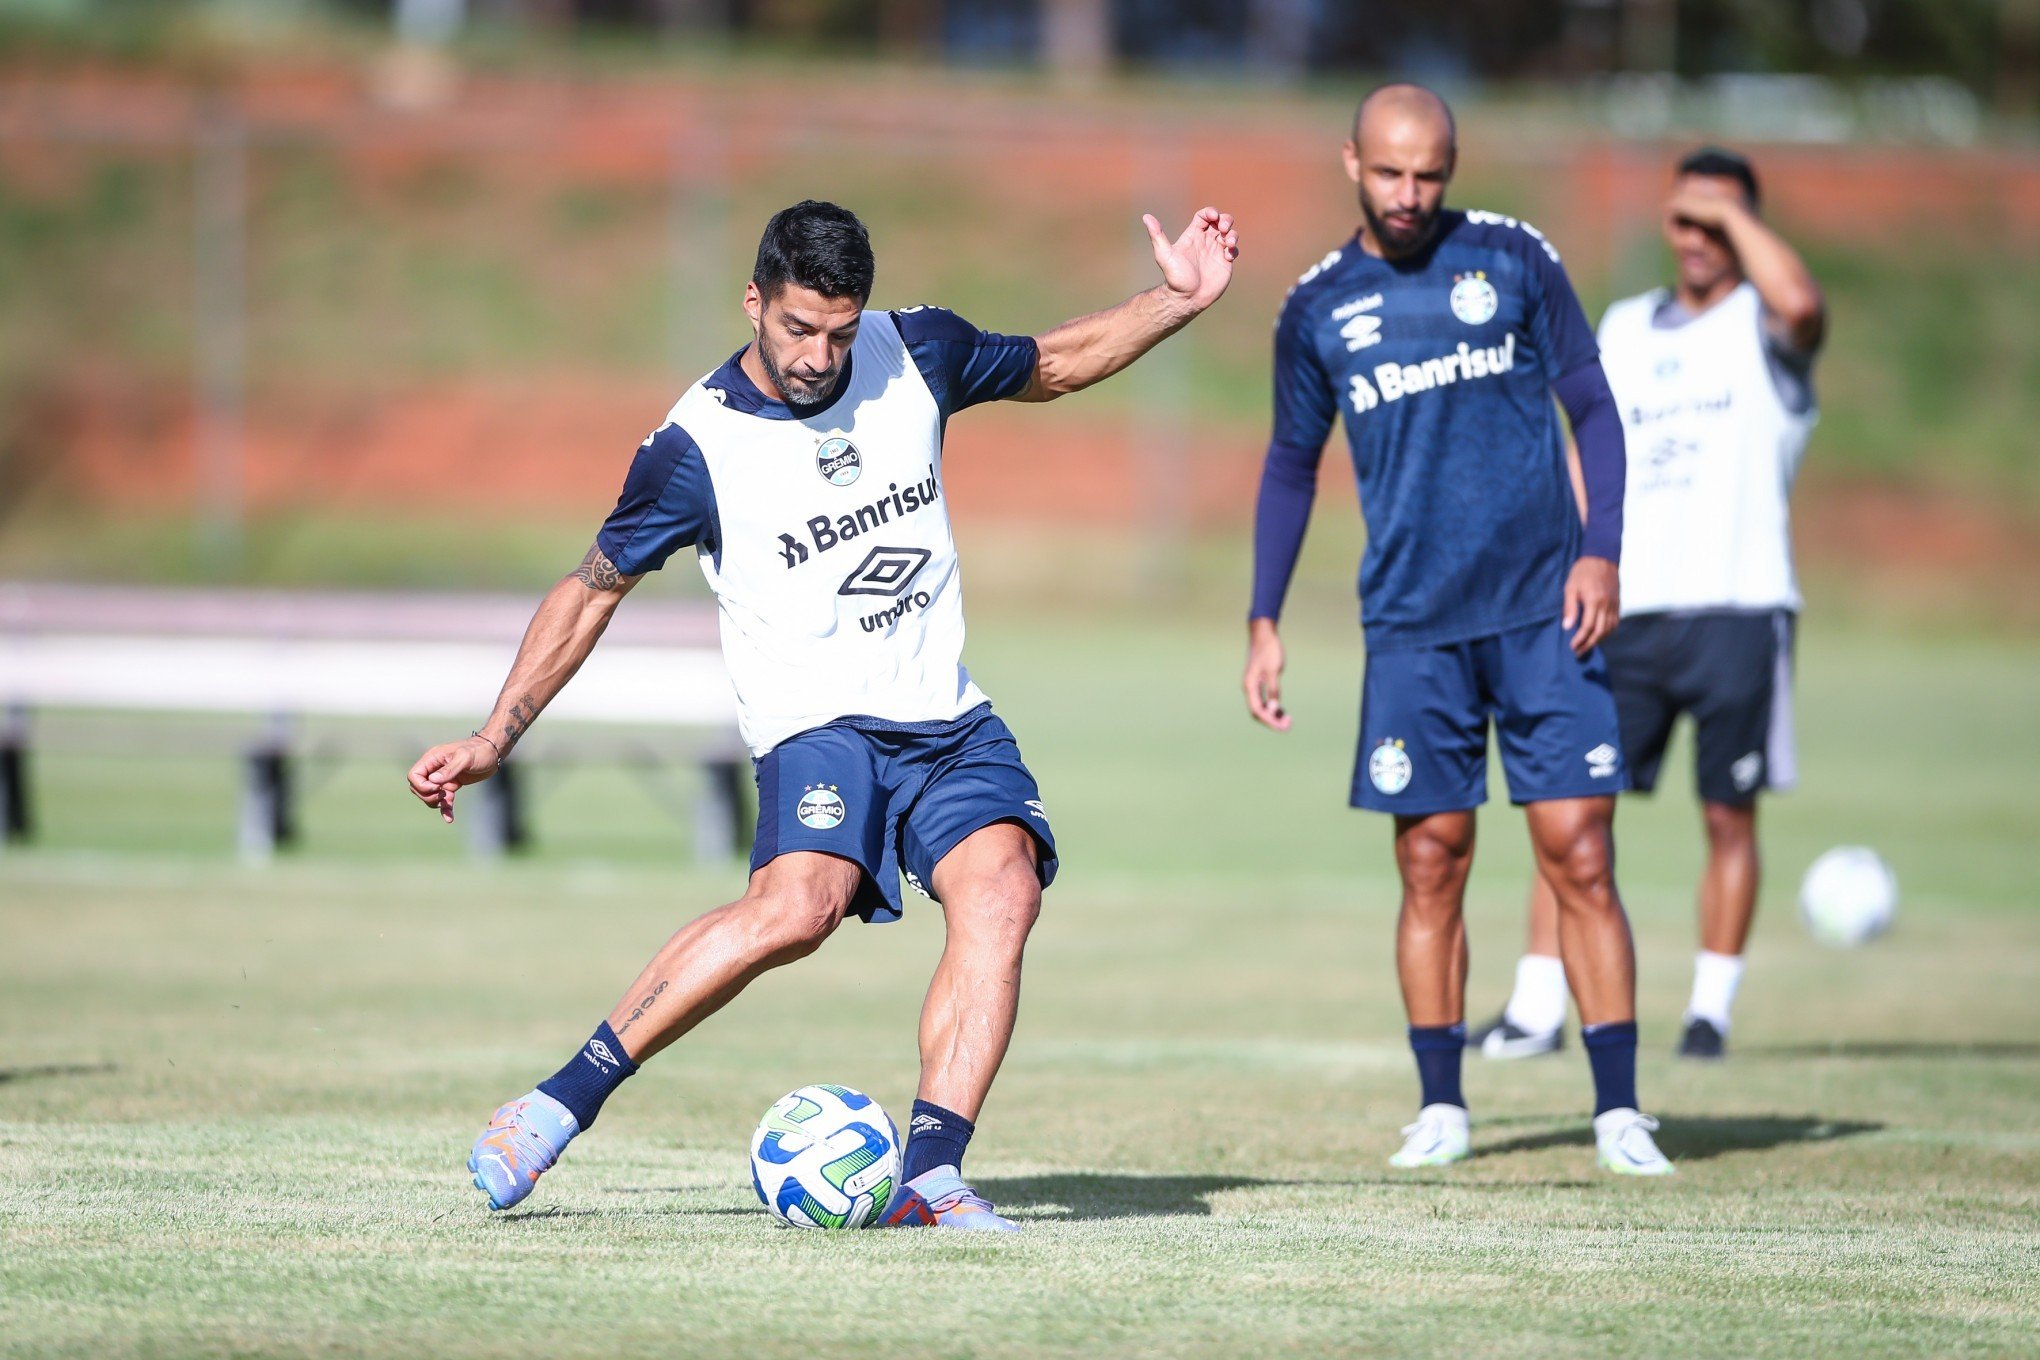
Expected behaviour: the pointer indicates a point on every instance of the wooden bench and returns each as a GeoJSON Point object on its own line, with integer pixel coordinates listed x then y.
{"type": "Point", "coordinates": [268, 661]}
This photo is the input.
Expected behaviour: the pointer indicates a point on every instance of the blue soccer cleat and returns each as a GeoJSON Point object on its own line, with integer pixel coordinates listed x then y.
{"type": "Point", "coordinates": [524, 1138]}
{"type": "Point", "coordinates": [941, 1199]}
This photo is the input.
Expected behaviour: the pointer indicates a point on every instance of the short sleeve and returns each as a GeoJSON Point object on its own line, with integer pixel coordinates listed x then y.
{"type": "Point", "coordinates": [1558, 324]}
{"type": "Point", "coordinates": [668, 503]}
{"type": "Point", "coordinates": [1305, 404]}
{"type": "Point", "coordinates": [963, 365]}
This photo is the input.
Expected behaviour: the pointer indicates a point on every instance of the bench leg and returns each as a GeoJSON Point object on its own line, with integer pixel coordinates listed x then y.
{"type": "Point", "coordinates": [721, 818]}
{"type": "Point", "coordinates": [496, 824]}
{"type": "Point", "coordinates": [15, 822]}
{"type": "Point", "coordinates": [268, 804]}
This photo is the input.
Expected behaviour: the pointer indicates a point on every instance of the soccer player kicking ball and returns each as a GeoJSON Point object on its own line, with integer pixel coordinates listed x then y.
{"type": "Point", "coordinates": [1714, 377]}
{"type": "Point", "coordinates": [1441, 337]}
{"type": "Point", "coordinates": [806, 473]}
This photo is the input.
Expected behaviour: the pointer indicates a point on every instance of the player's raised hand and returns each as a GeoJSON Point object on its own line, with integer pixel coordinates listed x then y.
{"type": "Point", "coordinates": [1593, 602]}
{"type": "Point", "coordinates": [444, 769]}
{"type": "Point", "coordinates": [1197, 265]}
{"type": "Point", "coordinates": [1263, 680]}
{"type": "Point", "coordinates": [1700, 204]}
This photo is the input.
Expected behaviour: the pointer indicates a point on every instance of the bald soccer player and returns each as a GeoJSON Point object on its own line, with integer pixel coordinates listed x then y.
{"type": "Point", "coordinates": [1441, 337]}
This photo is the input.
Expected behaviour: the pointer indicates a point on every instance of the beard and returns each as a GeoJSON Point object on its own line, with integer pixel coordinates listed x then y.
{"type": "Point", "coordinates": [1397, 240]}
{"type": "Point", "coordinates": [798, 390]}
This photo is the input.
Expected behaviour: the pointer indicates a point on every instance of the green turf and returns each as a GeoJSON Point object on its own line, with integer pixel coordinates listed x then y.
{"type": "Point", "coordinates": [234, 1102]}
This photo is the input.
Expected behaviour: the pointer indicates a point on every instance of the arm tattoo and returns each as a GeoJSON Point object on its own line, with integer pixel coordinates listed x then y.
{"type": "Point", "coordinates": [596, 571]}
{"type": "Point", "coordinates": [522, 714]}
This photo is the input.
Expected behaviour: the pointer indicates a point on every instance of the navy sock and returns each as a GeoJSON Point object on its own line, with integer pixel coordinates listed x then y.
{"type": "Point", "coordinates": [590, 1075]}
{"type": "Point", "coordinates": [1438, 1049]}
{"type": "Point", "coordinates": [1611, 1049]}
{"type": "Point", "coordinates": [936, 1137]}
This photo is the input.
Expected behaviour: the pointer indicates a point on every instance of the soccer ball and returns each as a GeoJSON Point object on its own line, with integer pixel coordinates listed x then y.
{"type": "Point", "coordinates": [825, 1157]}
{"type": "Point", "coordinates": [1848, 896]}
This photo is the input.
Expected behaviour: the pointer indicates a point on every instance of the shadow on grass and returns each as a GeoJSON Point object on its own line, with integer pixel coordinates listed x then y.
{"type": "Point", "coordinates": [8, 1074]}
{"type": "Point", "coordinates": [1695, 1139]}
{"type": "Point", "coordinates": [1075, 1197]}
{"type": "Point", "coordinates": [1893, 1048]}
{"type": "Point", "coordinates": [1083, 1195]}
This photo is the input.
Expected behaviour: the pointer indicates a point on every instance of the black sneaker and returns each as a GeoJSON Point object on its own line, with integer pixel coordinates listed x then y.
{"type": "Point", "coordinates": [1703, 1041]}
{"type": "Point", "coordinates": [1501, 1039]}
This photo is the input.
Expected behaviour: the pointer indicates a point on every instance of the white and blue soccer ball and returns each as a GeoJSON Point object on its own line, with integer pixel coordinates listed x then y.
{"type": "Point", "coordinates": [1849, 896]}
{"type": "Point", "coordinates": [825, 1156]}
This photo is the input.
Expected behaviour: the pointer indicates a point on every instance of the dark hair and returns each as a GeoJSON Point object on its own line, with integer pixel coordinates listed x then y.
{"type": "Point", "coordinates": [818, 246]}
{"type": "Point", "coordinates": [1714, 160]}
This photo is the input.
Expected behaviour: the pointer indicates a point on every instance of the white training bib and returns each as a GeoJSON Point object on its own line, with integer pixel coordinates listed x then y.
{"type": "Point", "coordinates": [837, 579]}
{"type": "Point", "coordinates": [1713, 450]}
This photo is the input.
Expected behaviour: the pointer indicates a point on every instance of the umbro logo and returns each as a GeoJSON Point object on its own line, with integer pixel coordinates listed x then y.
{"type": "Point", "coordinates": [1361, 331]}
{"type": "Point", "coordinates": [599, 1053]}
{"type": "Point", "coordinates": [924, 1123]}
{"type": "Point", "coordinates": [885, 571]}
{"type": "Point", "coordinates": [1601, 761]}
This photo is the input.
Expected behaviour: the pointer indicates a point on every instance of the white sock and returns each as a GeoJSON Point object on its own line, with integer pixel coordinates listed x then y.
{"type": "Point", "coordinates": [1715, 977]}
{"type": "Point", "coordinates": [1538, 1003]}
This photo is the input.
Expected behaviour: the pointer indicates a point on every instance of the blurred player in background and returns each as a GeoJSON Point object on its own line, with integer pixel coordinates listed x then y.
{"type": "Point", "coordinates": [806, 473]}
{"type": "Point", "coordinates": [1714, 377]}
{"type": "Point", "coordinates": [1441, 337]}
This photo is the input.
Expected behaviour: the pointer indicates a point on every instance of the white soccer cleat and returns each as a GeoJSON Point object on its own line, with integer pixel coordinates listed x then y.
{"type": "Point", "coordinates": [1439, 1137]}
{"type": "Point", "coordinates": [1504, 1040]}
{"type": "Point", "coordinates": [1622, 1138]}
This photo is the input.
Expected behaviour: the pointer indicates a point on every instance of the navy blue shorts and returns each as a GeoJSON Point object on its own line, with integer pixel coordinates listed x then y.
{"type": "Point", "coordinates": [1424, 723]}
{"type": "Point", "coordinates": [894, 800]}
{"type": "Point", "coordinates": [1732, 670]}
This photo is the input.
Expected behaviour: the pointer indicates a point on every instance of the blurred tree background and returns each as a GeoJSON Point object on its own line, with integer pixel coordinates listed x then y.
{"type": "Point", "coordinates": [284, 276]}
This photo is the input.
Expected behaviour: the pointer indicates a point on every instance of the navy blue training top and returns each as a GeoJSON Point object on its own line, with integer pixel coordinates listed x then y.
{"type": "Point", "coordinates": [1443, 366]}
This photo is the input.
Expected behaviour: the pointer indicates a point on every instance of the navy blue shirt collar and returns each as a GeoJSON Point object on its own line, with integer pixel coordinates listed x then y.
{"type": "Point", "coordinates": [741, 394]}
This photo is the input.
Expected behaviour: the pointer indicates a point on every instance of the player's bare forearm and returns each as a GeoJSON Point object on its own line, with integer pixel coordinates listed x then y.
{"type": "Point", "coordinates": [1092, 348]}
{"type": "Point", "coordinates": [561, 634]}
{"type": "Point", "coordinates": [1788, 289]}
{"type": "Point", "coordinates": [1196, 267]}
{"type": "Point", "coordinates": [559, 638]}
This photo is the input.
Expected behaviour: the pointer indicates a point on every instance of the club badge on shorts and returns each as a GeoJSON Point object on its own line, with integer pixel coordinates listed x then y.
{"type": "Point", "coordinates": [838, 460]}
{"type": "Point", "coordinates": [821, 808]}
{"type": "Point", "coordinates": [1389, 766]}
{"type": "Point", "coordinates": [1474, 299]}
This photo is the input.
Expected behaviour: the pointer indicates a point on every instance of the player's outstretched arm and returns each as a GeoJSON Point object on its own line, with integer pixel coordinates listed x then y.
{"type": "Point", "coordinates": [1196, 267]}
{"type": "Point", "coordinates": [561, 635]}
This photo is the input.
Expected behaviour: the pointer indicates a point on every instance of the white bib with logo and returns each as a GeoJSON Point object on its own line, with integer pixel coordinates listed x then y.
{"type": "Point", "coordinates": [1713, 450]}
{"type": "Point", "coordinates": [838, 587]}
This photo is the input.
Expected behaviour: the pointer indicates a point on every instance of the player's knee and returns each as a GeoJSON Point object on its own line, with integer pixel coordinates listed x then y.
{"type": "Point", "coordinates": [1729, 828]}
{"type": "Point", "coordinates": [793, 919]}
{"type": "Point", "coordinates": [1585, 863]}
{"type": "Point", "coordinates": [1005, 902]}
{"type": "Point", "coordinates": [1433, 864]}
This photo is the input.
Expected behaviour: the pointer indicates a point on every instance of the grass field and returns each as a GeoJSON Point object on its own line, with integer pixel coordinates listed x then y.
{"type": "Point", "coordinates": [234, 1103]}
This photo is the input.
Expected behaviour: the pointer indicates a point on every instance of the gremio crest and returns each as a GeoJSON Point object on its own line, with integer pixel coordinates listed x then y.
{"type": "Point", "coordinates": [837, 459]}
{"type": "Point", "coordinates": [1474, 299]}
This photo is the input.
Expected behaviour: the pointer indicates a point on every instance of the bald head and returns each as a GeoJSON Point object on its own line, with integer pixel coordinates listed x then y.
{"type": "Point", "coordinates": [1401, 155]}
{"type": "Point", "coordinates": [1389, 110]}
